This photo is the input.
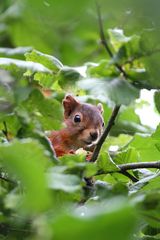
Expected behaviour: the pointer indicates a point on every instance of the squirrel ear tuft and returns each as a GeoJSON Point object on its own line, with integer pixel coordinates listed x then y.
{"type": "Point", "coordinates": [69, 104]}
{"type": "Point", "coordinates": [100, 107]}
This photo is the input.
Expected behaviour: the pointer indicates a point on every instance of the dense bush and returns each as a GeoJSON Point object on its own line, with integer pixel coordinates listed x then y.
{"type": "Point", "coordinates": [43, 42]}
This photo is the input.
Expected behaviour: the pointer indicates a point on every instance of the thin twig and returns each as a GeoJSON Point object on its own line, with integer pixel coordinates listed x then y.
{"type": "Point", "coordinates": [101, 32]}
{"type": "Point", "coordinates": [104, 40]}
{"type": "Point", "coordinates": [5, 131]}
{"type": "Point", "coordinates": [117, 107]}
{"type": "Point", "coordinates": [130, 176]}
{"type": "Point", "coordinates": [105, 133]}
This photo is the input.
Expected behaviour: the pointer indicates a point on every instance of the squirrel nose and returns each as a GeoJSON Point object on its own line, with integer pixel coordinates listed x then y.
{"type": "Point", "coordinates": [94, 135]}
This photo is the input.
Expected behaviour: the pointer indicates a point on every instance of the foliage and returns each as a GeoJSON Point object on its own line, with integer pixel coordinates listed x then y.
{"type": "Point", "coordinates": [53, 47]}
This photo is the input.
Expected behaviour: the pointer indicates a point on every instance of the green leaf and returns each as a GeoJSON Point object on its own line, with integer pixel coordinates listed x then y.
{"type": "Point", "coordinates": [128, 122]}
{"type": "Point", "coordinates": [150, 208]}
{"type": "Point", "coordinates": [91, 170]}
{"type": "Point", "coordinates": [48, 61]}
{"type": "Point", "coordinates": [65, 182]}
{"type": "Point", "coordinates": [102, 69]}
{"type": "Point", "coordinates": [157, 100]}
{"type": "Point", "coordinates": [45, 79]}
{"type": "Point", "coordinates": [127, 156]}
{"type": "Point", "coordinates": [96, 222]}
{"type": "Point", "coordinates": [46, 110]}
{"type": "Point", "coordinates": [105, 163]}
{"type": "Point", "coordinates": [13, 64]}
{"type": "Point", "coordinates": [148, 230]}
{"type": "Point", "coordinates": [26, 160]}
{"type": "Point", "coordinates": [72, 159]}
{"type": "Point", "coordinates": [14, 52]}
{"type": "Point", "coordinates": [142, 183]}
{"type": "Point", "coordinates": [75, 163]}
{"type": "Point", "coordinates": [130, 128]}
{"type": "Point", "coordinates": [147, 148]}
{"type": "Point", "coordinates": [12, 123]}
{"type": "Point", "coordinates": [118, 38]}
{"type": "Point", "coordinates": [129, 114]}
{"type": "Point", "coordinates": [153, 184]}
{"type": "Point", "coordinates": [116, 90]}
{"type": "Point", "coordinates": [68, 76]}
{"type": "Point", "coordinates": [119, 142]}
{"type": "Point", "coordinates": [152, 66]}
{"type": "Point", "coordinates": [156, 134]}
{"type": "Point", "coordinates": [128, 52]}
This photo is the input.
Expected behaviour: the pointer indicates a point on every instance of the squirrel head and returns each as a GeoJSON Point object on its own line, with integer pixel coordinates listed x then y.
{"type": "Point", "coordinates": [84, 121]}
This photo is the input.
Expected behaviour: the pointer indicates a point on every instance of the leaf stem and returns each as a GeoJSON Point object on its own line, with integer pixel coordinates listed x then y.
{"type": "Point", "coordinates": [5, 131]}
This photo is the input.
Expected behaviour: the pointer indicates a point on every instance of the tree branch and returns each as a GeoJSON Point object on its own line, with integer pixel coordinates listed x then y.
{"type": "Point", "coordinates": [104, 40]}
{"type": "Point", "coordinates": [131, 166]}
{"type": "Point", "coordinates": [101, 32]}
{"type": "Point", "coordinates": [117, 107]}
{"type": "Point", "coordinates": [130, 176]}
{"type": "Point", "coordinates": [105, 133]}
{"type": "Point", "coordinates": [123, 167]}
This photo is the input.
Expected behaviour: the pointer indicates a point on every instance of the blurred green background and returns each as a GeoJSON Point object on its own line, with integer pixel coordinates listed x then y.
{"type": "Point", "coordinates": [69, 29]}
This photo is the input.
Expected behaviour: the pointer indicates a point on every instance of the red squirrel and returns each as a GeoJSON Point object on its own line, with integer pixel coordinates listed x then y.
{"type": "Point", "coordinates": [84, 126]}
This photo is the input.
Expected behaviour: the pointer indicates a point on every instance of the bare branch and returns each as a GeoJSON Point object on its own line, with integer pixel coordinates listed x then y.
{"type": "Point", "coordinates": [104, 40]}
{"type": "Point", "coordinates": [130, 166]}
{"type": "Point", "coordinates": [101, 32]}
{"type": "Point", "coordinates": [117, 107]}
{"type": "Point", "coordinates": [105, 133]}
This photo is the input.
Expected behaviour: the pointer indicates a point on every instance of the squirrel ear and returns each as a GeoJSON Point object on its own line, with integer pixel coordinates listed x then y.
{"type": "Point", "coordinates": [100, 107]}
{"type": "Point", "coordinates": [69, 104]}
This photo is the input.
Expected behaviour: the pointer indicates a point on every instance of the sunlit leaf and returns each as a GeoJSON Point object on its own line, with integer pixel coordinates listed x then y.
{"type": "Point", "coordinates": [147, 148]}
{"type": "Point", "coordinates": [48, 61]}
{"type": "Point", "coordinates": [105, 163]}
{"type": "Point", "coordinates": [9, 64]}
{"type": "Point", "coordinates": [14, 52]}
{"type": "Point", "coordinates": [116, 90]}
{"type": "Point", "coordinates": [127, 156]}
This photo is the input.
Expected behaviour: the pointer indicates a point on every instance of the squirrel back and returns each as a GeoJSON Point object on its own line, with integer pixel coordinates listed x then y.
{"type": "Point", "coordinates": [84, 126]}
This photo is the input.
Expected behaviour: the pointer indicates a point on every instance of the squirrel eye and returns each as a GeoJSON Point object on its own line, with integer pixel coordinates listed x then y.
{"type": "Point", "coordinates": [77, 118]}
{"type": "Point", "coordinates": [103, 124]}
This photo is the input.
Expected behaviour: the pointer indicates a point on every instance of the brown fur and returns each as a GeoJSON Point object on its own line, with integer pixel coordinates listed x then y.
{"type": "Point", "coordinates": [83, 134]}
